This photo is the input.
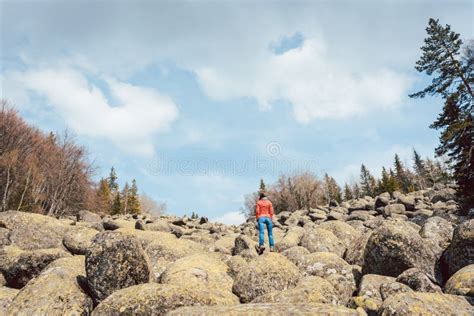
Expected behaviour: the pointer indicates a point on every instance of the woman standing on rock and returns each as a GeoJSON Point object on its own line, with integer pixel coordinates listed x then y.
{"type": "Point", "coordinates": [264, 216]}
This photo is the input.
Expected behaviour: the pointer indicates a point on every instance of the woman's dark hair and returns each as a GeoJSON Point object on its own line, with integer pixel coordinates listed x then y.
{"type": "Point", "coordinates": [262, 195]}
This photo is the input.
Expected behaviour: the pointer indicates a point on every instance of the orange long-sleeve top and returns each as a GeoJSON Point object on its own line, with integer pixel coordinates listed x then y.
{"type": "Point", "coordinates": [264, 208]}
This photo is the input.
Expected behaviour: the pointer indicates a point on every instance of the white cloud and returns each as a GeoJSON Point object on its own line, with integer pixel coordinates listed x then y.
{"type": "Point", "coordinates": [316, 86]}
{"type": "Point", "coordinates": [141, 112]}
{"type": "Point", "coordinates": [230, 218]}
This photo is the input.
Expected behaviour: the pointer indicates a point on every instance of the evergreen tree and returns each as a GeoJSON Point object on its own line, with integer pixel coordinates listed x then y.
{"type": "Point", "coordinates": [420, 170]}
{"type": "Point", "coordinates": [103, 197]}
{"type": "Point", "coordinates": [116, 205]}
{"type": "Point", "coordinates": [112, 179]}
{"type": "Point", "coordinates": [356, 191]}
{"type": "Point", "coordinates": [124, 198]}
{"type": "Point", "coordinates": [193, 215]}
{"type": "Point", "coordinates": [333, 191]}
{"type": "Point", "coordinates": [133, 200]}
{"type": "Point", "coordinates": [401, 175]}
{"type": "Point", "coordinates": [347, 193]}
{"type": "Point", "coordinates": [367, 182]}
{"type": "Point", "coordinates": [263, 188]}
{"type": "Point", "coordinates": [453, 79]}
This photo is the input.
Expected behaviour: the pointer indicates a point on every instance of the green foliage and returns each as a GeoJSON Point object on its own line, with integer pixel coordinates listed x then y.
{"type": "Point", "coordinates": [333, 191]}
{"type": "Point", "coordinates": [116, 205]}
{"type": "Point", "coordinates": [452, 79]}
{"type": "Point", "coordinates": [103, 197]}
{"type": "Point", "coordinates": [367, 182]}
{"type": "Point", "coordinates": [347, 192]}
{"type": "Point", "coordinates": [263, 188]}
{"type": "Point", "coordinates": [133, 200]}
{"type": "Point", "coordinates": [112, 180]}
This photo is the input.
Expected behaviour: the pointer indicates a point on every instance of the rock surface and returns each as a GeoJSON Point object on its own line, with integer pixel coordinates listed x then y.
{"type": "Point", "coordinates": [115, 261]}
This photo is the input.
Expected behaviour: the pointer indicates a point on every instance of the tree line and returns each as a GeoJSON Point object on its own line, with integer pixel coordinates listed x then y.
{"type": "Point", "coordinates": [50, 174]}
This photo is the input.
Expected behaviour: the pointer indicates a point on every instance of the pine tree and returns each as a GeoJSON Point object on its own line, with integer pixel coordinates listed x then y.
{"type": "Point", "coordinates": [453, 78]}
{"type": "Point", "coordinates": [401, 175]}
{"type": "Point", "coordinates": [133, 200]}
{"type": "Point", "coordinates": [112, 180]}
{"type": "Point", "coordinates": [333, 191]}
{"type": "Point", "coordinates": [263, 188]}
{"type": "Point", "coordinates": [116, 205]}
{"type": "Point", "coordinates": [356, 191]}
{"type": "Point", "coordinates": [124, 198]}
{"type": "Point", "coordinates": [420, 170]}
{"type": "Point", "coordinates": [347, 193]}
{"type": "Point", "coordinates": [103, 197]}
{"type": "Point", "coordinates": [367, 182]}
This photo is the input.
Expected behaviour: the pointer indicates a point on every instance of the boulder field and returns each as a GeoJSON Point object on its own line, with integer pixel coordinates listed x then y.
{"type": "Point", "coordinates": [395, 254]}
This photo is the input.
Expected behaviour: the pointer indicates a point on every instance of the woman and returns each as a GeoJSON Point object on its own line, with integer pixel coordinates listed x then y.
{"type": "Point", "coordinates": [264, 216]}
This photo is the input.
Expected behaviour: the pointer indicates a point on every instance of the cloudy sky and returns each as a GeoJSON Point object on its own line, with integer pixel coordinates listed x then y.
{"type": "Point", "coordinates": [198, 100]}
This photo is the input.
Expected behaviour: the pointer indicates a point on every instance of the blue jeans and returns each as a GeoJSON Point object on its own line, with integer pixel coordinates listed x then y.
{"type": "Point", "coordinates": [262, 221]}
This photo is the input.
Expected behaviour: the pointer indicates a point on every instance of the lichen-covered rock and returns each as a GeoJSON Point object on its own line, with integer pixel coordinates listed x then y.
{"type": "Point", "coordinates": [163, 251]}
{"type": "Point", "coordinates": [56, 291]}
{"type": "Point", "coordinates": [438, 230]}
{"type": "Point", "coordinates": [416, 303]}
{"type": "Point", "coordinates": [355, 251]}
{"type": "Point", "coordinates": [369, 305]}
{"type": "Point", "coordinates": [291, 238]}
{"type": "Point", "coordinates": [158, 299]}
{"type": "Point", "coordinates": [267, 273]}
{"type": "Point", "coordinates": [332, 268]}
{"type": "Point", "coordinates": [31, 231]}
{"type": "Point", "coordinates": [225, 244]}
{"type": "Point", "coordinates": [343, 231]}
{"type": "Point", "coordinates": [392, 288]}
{"type": "Point", "coordinates": [407, 201]}
{"type": "Point", "coordinates": [87, 216]}
{"type": "Point", "coordinates": [395, 247]}
{"type": "Point", "coordinates": [461, 282]}
{"type": "Point", "coordinates": [370, 286]}
{"type": "Point", "coordinates": [418, 281]}
{"type": "Point", "coordinates": [20, 266]}
{"type": "Point", "coordinates": [460, 252]}
{"type": "Point", "coordinates": [443, 195]}
{"type": "Point", "coordinates": [392, 209]}
{"type": "Point", "coordinates": [266, 309]}
{"type": "Point", "coordinates": [296, 254]}
{"type": "Point", "coordinates": [201, 270]}
{"type": "Point", "coordinates": [6, 297]}
{"type": "Point", "coordinates": [242, 243]}
{"type": "Point", "coordinates": [322, 240]}
{"type": "Point", "coordinates": [310, 289]}
{"type": "Point", "coordinates": [236, 264]}
{"type": "Point", "coordinates": [78, 239]}
{"type": "Point", "coordinates": [115, 261]}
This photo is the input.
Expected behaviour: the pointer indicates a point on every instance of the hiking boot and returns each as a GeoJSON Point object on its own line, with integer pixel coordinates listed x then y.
{"type": "Point", "coordinates": [272, 249]}
{"type": "Point", "coordinates": [260, 249]}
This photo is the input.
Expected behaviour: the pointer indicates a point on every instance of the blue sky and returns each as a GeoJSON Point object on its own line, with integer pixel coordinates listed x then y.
{"type": "Point", "coordinates": [198, 100]}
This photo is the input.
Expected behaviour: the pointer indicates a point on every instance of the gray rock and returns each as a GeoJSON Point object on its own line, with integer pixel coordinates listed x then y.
{"type": "Point", "coordinates": [407, 201]}
{"type": "Point", "coordinates": [395, 247]}
{"type": "Point", "coordinates": [392, 209]}
{"type": "Point", "coordinates": [87, 216]}
{"type": "Point", "coordinates": [418, 281]}
{"type": "Point", "coordinates": [319, 240]}
{"type": "Point", "coordinates": [392, 288]}
{"type": "Point", "coordinates": [115, 261]}
{"type": "Point", "coordinates": [460, 252]}
{"type": "Point", "coordinates": [20, 266]}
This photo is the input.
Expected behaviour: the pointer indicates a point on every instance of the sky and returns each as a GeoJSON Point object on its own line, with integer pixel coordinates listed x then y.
{"type": "Point", "coordinates": [198, 100]}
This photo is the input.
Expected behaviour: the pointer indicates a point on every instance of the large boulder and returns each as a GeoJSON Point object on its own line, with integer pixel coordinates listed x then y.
{"type": "Point", "coordinates": [322, 240]}
{"type": "Point", "coordinates": [392, 288]}
{"type": "Point", "coordinates": [267, 273]}
{"type": "Point", "coordinates": [355, 251]}
{"type": "Point", "coordinates": [408, 201]}
{"type": "Point", "coordinates": [418, 281]}
{"type": "Point", "coordinates": [416, 303]}
{"type": "Point", "coordinates": [87, 216]}
{"type": "Point", "coordinates": [267, 309]}
{"type": "Point", "coordinates": [77, 240]}
{"type": "Point", "coordinates": [443, 195]}
{"type": "Point", "coordinates": [291, 238]}
{"type": "Point", "coordinates": [391, 209]}
{"type": "Point", "coordinates": [343, 231]}
{"type": "Point", "coordinates": [311, 289]}
{"type": "Point", "coordinates": [439, 230]}
{"type": "Point", "coordinates": [158, 299]}
{"type": "Point", "coordinates": [296, 254]}
{"type": "Point", "coordinates": [243, 243]}
{"type": "Point", "coordinates": [56, 291]}
{"type": "Point", "coordinates": [115, 261]}
{"type": "Point", "coordinates": [163, 251]}
{"type": "Point", "coordinates": [6, 297]}
{"type": "Point", "coordinates": [461, 282]}
{"type": "Point", "coordinates": [370, 286]}
{"type": "Point", "coordinates": [332, 268]}
{"type": "Point", "coordinates": [201, 270]}
{"type": "Point", "coordinates": [20, 266]}
{"type": "Point", "coordinates": [395, 247]}
{"type": "Point", "coordinates": [31, 231]}
{"type": "Point", "coordinates": [460, 252]}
